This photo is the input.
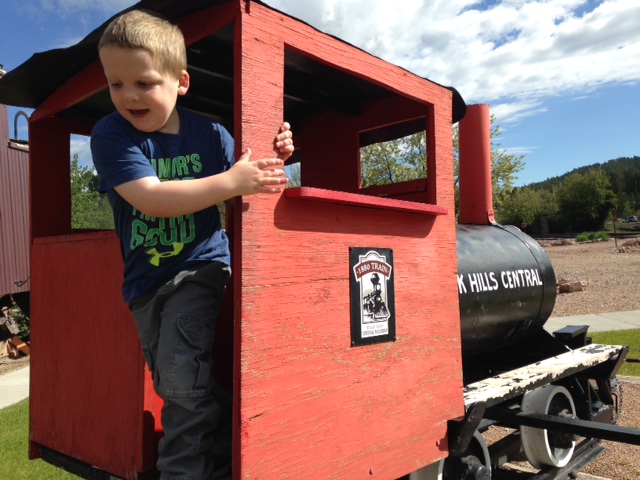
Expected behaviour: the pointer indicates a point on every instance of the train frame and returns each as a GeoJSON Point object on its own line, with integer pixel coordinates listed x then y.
{"type": "Point", "coordinates": [318, 391]}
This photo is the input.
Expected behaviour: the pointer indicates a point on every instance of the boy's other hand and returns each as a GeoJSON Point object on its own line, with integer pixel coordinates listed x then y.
{"type": "Point", "coordinates": [258, 176]}
{"type": "Point", "coordinates": [283, 143]}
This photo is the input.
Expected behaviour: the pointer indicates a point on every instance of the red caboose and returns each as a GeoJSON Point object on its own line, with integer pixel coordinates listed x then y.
{"type": "Point", "coordinates": [14, 213]}
{"type": "Point", "coordinates": [323, 387]}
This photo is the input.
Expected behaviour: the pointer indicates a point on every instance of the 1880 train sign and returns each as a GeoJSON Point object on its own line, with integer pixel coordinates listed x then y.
{"type": "Point", "coordinates": [372, 296]}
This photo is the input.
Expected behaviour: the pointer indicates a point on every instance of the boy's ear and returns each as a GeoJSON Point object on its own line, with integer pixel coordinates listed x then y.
{"type": "Point", "coordinates": [183, 83]}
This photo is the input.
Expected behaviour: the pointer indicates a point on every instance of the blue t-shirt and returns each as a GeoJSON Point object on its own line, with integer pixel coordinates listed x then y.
{"type": "Point", "coordinates": [156, 249]}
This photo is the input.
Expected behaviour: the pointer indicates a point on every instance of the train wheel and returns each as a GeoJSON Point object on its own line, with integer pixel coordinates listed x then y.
{"type": "Point", "coordinates": [474, 464]}
{"type": "Point", "coordinates": [543, 447]}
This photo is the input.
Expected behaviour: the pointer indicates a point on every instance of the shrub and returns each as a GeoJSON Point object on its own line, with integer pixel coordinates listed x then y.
{"type": "Point", "coordinates": [592, 236]}
{"type": "Point", "coordinates": [22, 321]}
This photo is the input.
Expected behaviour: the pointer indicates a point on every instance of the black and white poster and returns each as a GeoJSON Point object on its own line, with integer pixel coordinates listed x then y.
{"type": "Point", "coordinates": [372, 295]}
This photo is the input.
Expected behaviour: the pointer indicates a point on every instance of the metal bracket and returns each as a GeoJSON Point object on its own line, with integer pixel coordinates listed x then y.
{"type": "Point", "coordinates": [460, 432]}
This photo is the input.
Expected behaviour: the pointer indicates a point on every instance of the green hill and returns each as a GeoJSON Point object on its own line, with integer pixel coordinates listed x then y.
{"type": "Point", "coordinates": [623, 174]}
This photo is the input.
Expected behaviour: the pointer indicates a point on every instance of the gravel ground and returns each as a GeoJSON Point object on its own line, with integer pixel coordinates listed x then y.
{"type": "Point", "coordinates": [620, 461]}
{"type": "Point", "coordinates": [611, 277]}
{"type": "Point", "coordinates": [9, 365]}
{"type": "Point", "coordinates": [611, 273]}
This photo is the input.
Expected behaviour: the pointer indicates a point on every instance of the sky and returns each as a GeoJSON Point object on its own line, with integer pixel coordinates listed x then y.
{"type": "Point", "coordinates": [562, 77]}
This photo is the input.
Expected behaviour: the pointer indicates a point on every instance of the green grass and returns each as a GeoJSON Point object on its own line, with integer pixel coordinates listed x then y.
{"type": "Point", "coordinates": [623, 337]}
{"type": "Point", "coordinates": [622, 229]}
{"type": "Point", "coordinates": [14, 440]}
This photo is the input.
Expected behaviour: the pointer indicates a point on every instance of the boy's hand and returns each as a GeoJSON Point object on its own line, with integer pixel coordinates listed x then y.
{"type": "Point", "coordinates": [283, 143]}
{"type": "Point", "coordinates": [258, 176]}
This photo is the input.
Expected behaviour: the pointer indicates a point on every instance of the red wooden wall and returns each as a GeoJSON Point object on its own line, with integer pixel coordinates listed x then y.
{"type": "Point", "coordinates": [88, 387]}
{"type": "Point", "coordinates": [308, 404]}
{"type": "Point", "coordinates": [311, 405]}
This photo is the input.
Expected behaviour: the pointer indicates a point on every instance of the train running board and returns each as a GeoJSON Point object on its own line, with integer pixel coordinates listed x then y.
{"type": "Point", "coordinates": [505, 386]}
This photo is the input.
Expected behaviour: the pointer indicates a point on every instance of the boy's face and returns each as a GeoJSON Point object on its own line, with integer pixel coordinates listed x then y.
{"type": "Point", "coordinates": [142, 94]}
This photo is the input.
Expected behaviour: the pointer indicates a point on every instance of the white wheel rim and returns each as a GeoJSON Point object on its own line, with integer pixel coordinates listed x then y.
{"type": "Point", "coordinates": [535, 441]}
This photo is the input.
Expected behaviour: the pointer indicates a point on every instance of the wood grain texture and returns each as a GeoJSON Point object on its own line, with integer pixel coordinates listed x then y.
{"type": "Point", "coordinates": [87, 379]}
{"type": "Point", "coordinates": [311, 405]}
{"type": "Point", "coordinates": [306, 392]}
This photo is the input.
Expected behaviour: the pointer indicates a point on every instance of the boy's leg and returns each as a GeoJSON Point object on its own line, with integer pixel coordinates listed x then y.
{"type": "Point", "coordinates": [177, 327]}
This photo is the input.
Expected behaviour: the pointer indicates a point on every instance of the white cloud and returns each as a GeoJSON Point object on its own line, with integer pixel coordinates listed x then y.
{"type": "Point", "coordinates": [512, 53]}
{"type": "Point", "coordinates": [80, 145]}
{"type": "Point", "coordinates": [516, 111]}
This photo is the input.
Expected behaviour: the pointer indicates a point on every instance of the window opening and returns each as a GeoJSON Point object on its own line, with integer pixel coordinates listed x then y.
{"type": "Point", "coordinates": [392, 161]}
{"type": "Point", "coordinates": [90, 209]}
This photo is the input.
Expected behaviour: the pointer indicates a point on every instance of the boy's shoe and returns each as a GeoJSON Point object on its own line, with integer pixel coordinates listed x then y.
{"type": "Point", "coordinates": [221, 467]}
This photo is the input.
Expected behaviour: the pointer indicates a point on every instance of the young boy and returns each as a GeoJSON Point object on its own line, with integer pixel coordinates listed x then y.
{"type": "Point", "coordinates": [164, 170]}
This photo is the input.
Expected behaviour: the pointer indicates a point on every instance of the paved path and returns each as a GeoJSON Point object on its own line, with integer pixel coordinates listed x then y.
{"type": "Point", "coordinates": [14, 387]}
{"type": "Point", "coordinates": [602, 322]}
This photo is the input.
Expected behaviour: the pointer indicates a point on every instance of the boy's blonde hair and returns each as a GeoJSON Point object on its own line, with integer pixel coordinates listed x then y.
{"type": "Point", "coordinates": [147, 31]}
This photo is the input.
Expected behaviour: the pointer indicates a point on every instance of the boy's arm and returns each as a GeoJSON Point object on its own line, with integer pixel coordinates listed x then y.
{"type": "Point", "coordinates": [173, 198]}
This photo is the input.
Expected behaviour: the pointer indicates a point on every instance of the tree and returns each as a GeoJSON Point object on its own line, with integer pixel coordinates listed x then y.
{"type": "Point", "coordinates": [504, 167]}
{"type": "Point", "coordinates": [89, 208]}
{"type": "Point", "coordinates": [524, 206]}
{"type": "Point", "coordinates": [536, 208]}
{"type": "Point", "coordinates": [585, 201]}
{"type": "Point", "coordinates": [404, 159]}
{"type": "Point", "coordinates": [395, 161]}
{"type": "Point", "coordinates": [293, 174]}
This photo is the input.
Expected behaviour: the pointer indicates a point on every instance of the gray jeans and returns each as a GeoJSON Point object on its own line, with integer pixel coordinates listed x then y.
{"type": "Point", "coordinates": [176, 325]}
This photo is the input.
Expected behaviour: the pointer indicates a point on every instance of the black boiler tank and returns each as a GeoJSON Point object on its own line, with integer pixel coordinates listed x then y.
{"type": "Point", "coordinates": [506, 284]}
